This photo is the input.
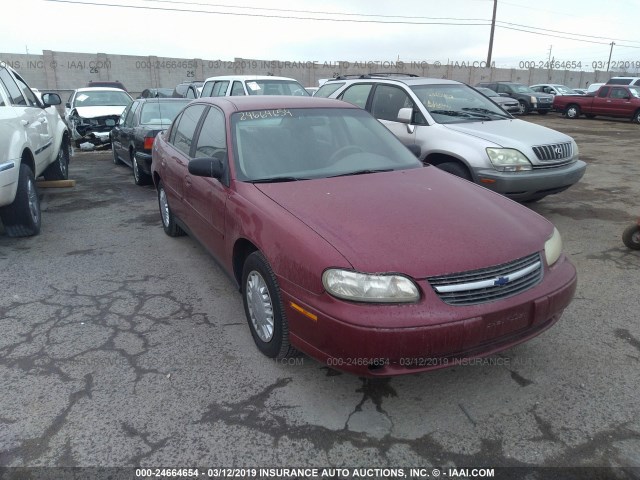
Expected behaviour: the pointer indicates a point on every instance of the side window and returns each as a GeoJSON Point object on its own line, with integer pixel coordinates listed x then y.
{"type": "Point", "coordinates": [501, 88]}
{"type": "Point", "coordinates": [212, 141]}
{"type": "Point", "coordinates": [220, 88]}
{"type": "Point", "coordinates": [15, 95]}
{"type": "Point", "coordinates": [124, 114]}
{"type": "Point", "coordinates": [328, 88]}
{"type": "Point", "coordinates": [387, 102]}
{"type": "Point", "coordinates": [603, 92]}
{"type": "Point", "coordinates": [186, 127]}
{"type": "Point", "coordinates": [206, 90]}
{"type": "Point", "coordinates": [172, 133]}
{"type": "Point", "coordinates": [3, 91]}
{"type": "Point", "coordinates": [237, 89]}
{"type": "Point", "coordinates": [357, 94]}
{"type": "Point", "coordinates": [619, 93]}
{"type": "Point", "coordinates": [29, 96]}
{"type": "Point", "coordinates": [128, 121]}
{"type": "Point", "coordinates": [191, 92]}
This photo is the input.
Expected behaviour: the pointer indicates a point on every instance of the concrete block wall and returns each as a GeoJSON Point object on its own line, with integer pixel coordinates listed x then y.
{"type": "Point", "coordinates": [64, 71]}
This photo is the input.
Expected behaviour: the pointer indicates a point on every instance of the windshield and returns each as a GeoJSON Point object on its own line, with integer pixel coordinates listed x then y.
{"type": "Point", "coordinates": [160, 113]}
{"type": "Point", "coordinates": [563, 89]}
{"type": "Point", "coordinates": [303, 144]}
{"type": "Point", "coordinates": [517, 88]}
{"type": "Point", "coordinates": [275, 87]}
{"type": "Point", "coordinates": [102, 98]}
{"type": "Point", "coordinates": [457, 103]}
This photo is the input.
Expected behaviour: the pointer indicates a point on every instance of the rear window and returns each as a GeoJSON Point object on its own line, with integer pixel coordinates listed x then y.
{"type": "Point", "coordinates": [275, 87]}
{"type": "Point", "coordinates": [160, 113]}
{"type": "Point", "coordinates": [328, 88]}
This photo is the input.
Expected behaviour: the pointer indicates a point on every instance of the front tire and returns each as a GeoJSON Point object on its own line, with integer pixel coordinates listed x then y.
{"type": "Point", "coordinates": [523, 107]}
{"type": "Point", "coordinates": [59, 169]}
{"type": "Point", "coordinates": [572, 112]}
{"type": "Point", "coordinates": [455, 169]}
{"type": "Point", "coordinates": [116, 158]}
{"type": "Point", "coordinates": [631, 237]}
{"type": "Point", "coordinates": [22, 218]}
{"type": "Point", "coordinates": [636, 117]}
{"type": "Point", "coordinates": [264, 309]}
{"type": "Point", "coordinates": [169, 224]}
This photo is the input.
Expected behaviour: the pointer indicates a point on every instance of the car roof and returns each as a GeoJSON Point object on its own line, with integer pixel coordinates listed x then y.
{"type": "Point", "coordinates": [99, 89]}
{"type": "Point", "coordinates": [163, 99]}
{"type": "Point", "coordinates": [249, 77]}
{"type": "Point", "coordinates": [272, 102]}
{"type": "Point", "coordinates": [406, 80]}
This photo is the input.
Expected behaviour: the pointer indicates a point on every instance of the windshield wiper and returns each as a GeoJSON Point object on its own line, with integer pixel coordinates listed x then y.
{"type": "Point", "coordinates": [276, 179]}
{"type": "Point", "coordinates": [362, 172]}
{"type": "Point", "coordinates": [486, 111]}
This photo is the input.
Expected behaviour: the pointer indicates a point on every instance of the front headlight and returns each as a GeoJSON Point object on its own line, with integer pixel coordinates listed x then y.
{"type": "Point", "coordinates": [534, 99]}
{"type": "Point", "coordinates": [361, 287]}
{"type": "Point", "coordinates": [576, 150]}
{"type": "Point", "coordinates": [508, 160]}
{"type": "Point", "coordinates": [553, 247]}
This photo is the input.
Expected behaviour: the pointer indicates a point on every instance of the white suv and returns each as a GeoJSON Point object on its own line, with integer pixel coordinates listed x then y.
{"type": "Point", "coordinates": [232, 85]}
{"type": "Point", "coordinates": [462, 132]}
{"type": "Point", "coordinates": [34, 141]}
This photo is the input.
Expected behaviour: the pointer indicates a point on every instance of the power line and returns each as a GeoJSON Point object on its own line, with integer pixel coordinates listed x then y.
{"type": "Point", "coordinates": [560, 36]}
{"type": "Point", "coordinates": [568, 33]}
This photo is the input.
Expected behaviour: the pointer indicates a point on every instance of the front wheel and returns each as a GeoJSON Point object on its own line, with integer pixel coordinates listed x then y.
{"type": "Point", "coordinates": [455, 169]}
{"type": "Point", "coordinates": [636, 117]}
{"type": "Point", "coordinates": [169, 224]}
{"type": "Point", "coordinates": [22, 217]}
{"type": "Point", "coordinates": [631, 237]}
{"type": "Point", "coordinates": [572, 111]}
{"type": "Point", "coordinates": [523, 107]}
{"type": "Point", "coordinates": [264, 309]}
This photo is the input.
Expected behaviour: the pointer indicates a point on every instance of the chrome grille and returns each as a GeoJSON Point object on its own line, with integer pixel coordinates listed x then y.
{"type": "Point", "coordinates": [489, 284]}
{"type": "Point", "coordinates": [554, 152]}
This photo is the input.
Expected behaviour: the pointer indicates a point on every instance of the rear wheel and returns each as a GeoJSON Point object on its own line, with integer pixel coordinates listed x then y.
{"type": "Point", "coordinates": [636, 117]}
{"type": "Point", "coordinates": [572, 111]}
{"type": "Point", "coordinates": [59, 169]}
{"type": "Point", "coordinates": [455, 169]}
{"type": "Point", "coordinates": [264, 308]}
{"type": "Point", "coordinates": [139, 177]}
{"type": "Point", "coordinates": [22, 217]}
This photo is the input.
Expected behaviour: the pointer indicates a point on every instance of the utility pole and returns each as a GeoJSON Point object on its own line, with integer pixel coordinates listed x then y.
{"type": "Point", "coordinates": [493, 27]}
{"type": "Point", "coordinates": [549, 64]}
{"type": "Point", "coordinates": [610, 52]}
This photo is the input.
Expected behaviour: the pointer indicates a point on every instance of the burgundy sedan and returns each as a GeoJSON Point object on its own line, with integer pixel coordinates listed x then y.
{"type": "Point", "coordinates": [345, 246]}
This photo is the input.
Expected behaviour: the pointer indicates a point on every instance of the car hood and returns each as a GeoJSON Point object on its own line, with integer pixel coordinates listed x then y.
{"type": "Point", "coordinates": [99, 111]}
{"type": "Point", "coordinates": [420, 222]}
{"type": "Point", "coordinates": [505, 133]}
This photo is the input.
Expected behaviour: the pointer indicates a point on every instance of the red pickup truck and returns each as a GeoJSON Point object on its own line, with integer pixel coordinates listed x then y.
{"type": "Point", "coordinates": [609, 100]}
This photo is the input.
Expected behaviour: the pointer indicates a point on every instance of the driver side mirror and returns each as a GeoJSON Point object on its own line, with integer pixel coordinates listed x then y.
{"type": "Point", "coordinates": [50, 99]}
{"type": "Point", "coordinates": [206, 167]}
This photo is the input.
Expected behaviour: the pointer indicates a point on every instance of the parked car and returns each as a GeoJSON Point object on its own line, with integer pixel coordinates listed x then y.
{"type": "Point", "coordinates": [108, 84]}
{"type": "Point", "coordinates": [631, 81]}
{"type": "Point", "coordinates": [34, 141]}
{"type": "Point", "coordinates": [301, 201]}
{"type": "Point", "coordinates": [132, 138]}
{"type": "Point", "coordinates": [529, 100]}
{"type": "Point", "coordinates": [466, 134]}
{"type": "Point", "coordinates": [92, 112]}
{"type": "Point", "coordinates": [554, 89]}
{"type": "Point", "coordinates": [188, 89]}
{"type": "Point", "coordinates": [156, 93]}
{"type": "Point", "coordinates": [508, 104]}
{"type": "Point", "coordinates": [311, 90]}
{"type": "Point", "coordinates": [233, 85]}
{"type": "Point", "coordinates": [609, 100]}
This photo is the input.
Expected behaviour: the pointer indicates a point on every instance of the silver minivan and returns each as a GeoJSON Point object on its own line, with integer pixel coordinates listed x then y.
{"type": "Point", "coordinates": [464, 133]}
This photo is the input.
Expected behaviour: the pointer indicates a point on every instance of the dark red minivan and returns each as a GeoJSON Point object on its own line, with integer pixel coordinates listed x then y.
{"type": "Point", "coordinates": [345, 246]}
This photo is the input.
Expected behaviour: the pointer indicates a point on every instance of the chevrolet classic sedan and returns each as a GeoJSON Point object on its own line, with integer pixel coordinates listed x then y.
{"type": "Point", "coordinates": [345, 247]}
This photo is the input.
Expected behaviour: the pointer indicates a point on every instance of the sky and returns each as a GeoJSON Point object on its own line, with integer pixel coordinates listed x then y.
{"type": "Point", "coordinates": [445, 31]}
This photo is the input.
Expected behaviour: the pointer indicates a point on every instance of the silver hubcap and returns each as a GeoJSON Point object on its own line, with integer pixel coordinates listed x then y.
{"type": "Point", "coordinates": [32, 196]}
{"type": "Point", "coordinates": [260, 306]}
{"type": "Point", "coordinates": [571, 113]}
{"type": "Point", "coordinates": [164, 207]}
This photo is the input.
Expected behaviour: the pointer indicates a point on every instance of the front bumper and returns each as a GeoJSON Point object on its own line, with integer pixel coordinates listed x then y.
{"type": "Point", "coordinates": [532, 184]}
{"type": "Point", "coordinates": [385, 340]}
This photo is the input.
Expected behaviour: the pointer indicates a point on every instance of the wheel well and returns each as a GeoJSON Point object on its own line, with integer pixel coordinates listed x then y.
{"type": "Point", "coordinates": [436, 159]}
{"type": "Point", "coordinates": [572, 105]}
{"type": "Point", "coordinates": [27, 159]}
{"type": "Point", "coordinates": [241, 250]}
